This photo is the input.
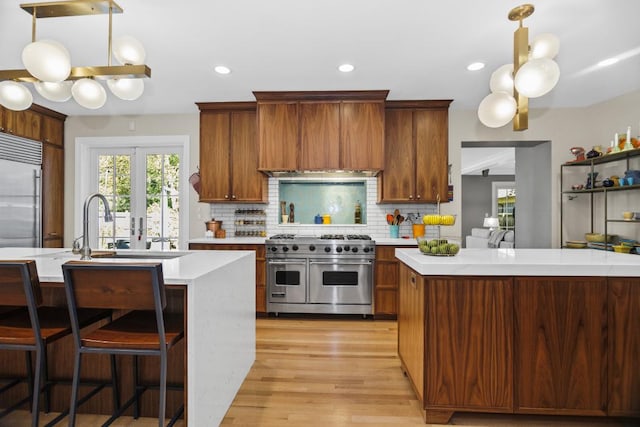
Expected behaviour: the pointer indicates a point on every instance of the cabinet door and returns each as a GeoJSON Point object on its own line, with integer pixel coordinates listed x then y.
{"type": "Point", "coordinates": [28, 124]}
{"type": "Point", "coordinates": [319, 136]}
{"type": "Point", "coordinates": [560, 340]}
{"type": "Point", "coordinates": [52, 196]}
{"type": "Point", "coordinates": [278, 136]}
{"type": "Point", "coordinates": [432, 154]}
{"type": "Point", "coordinates": [215, 176]}
{"type": "Point", "coordinates": [52, 131]}
{"type": "Point", "coordinates": [624, 346]}
{"type": "Point", "coordinates": [3, 119]}
{"type": "Point", "coordinates": [411, 327]}
{"type": "Point", "coordinates": [362, 135]}
{"type": "Point", "coordinates": [247, 183]}
{"type": "Point", "coordinates": [469, 342]}
{"type": "Point", "coordinates": [397, 181]}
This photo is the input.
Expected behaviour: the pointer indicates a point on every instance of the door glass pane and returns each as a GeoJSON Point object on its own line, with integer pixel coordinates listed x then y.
{"type": "Point", "coordinates": [114, 182]}
{"type": "Point", "coordinates": [162, 201]}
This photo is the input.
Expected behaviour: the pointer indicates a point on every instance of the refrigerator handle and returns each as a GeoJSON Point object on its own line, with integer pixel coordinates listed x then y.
{"type": "Point", "coordinates": [133, 225]}
{"type": "Point", "coordinates": [38, 210]}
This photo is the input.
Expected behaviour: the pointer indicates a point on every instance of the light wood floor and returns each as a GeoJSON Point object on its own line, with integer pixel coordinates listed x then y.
{"type": "Point", "coordinates": [331, 373]}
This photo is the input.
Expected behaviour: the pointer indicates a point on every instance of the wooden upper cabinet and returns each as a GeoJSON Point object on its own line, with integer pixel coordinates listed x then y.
{"type": "Point", "coordinates": [362, 135]}
{"type": "Point", "coordinates": [52, 196]}
{"type": "Point", "coordinates": [52, 131]}
{"type": "Point", "coordinates": [278, 136]}
{"type": "Point", "coordinates": [319, 135]}
{"type": "Point", "coordinates": [229, 154]}
{"type": "Point", "coordinates": [26, 124]}
{"type": "Point", "coordinates": [432, 154]}
{"type": "Point", "coordinates": [416, 152]}
{"type": "Point", "coordinates": [329, 130]}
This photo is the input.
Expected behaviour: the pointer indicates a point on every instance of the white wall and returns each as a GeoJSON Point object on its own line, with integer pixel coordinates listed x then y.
{"type": "Point", "coordinates": [565, 128]}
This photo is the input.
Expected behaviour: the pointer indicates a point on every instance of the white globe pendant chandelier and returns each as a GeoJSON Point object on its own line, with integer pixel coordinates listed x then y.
{"type": "Point", "coordinates": [533, 73]}
{"type": "Point", "coordinates": [48, 65]}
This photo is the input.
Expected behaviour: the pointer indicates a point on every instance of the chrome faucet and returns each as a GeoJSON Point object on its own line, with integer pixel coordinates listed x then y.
{"type": "Point", "coordinates": [85, 251]}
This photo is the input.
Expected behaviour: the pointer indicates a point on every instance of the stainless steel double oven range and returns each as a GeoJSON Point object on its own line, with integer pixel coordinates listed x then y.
{"type": "Point", "coordinates": [331, 274]}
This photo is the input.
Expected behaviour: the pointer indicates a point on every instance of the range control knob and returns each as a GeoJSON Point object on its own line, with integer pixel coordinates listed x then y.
{"type": "Point", "coordinates": [327, 249]}
{"type": "Point", "coordinates": [346, 248]}
{"type": "Point", "coordinates": [354, 250]}
{"type": "Point", "coordinates": [284, 248]}
{"type": "Point", "coordinates": [338, 249]}
{"type": "Point", "coordinates": [366, 250]}
{"type": "Point", "coordinates": [273, 249]}
{"type": "Point", "coordinates": [312, 248]}
{"type": "Point", "coordinates": [294, 247]}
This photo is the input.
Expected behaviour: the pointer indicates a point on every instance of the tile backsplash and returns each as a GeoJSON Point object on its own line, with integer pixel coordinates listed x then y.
{"type": "Point", "coordinates": [376, 223]}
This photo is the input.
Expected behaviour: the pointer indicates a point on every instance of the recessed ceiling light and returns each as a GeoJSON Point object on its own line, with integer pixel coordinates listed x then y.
{"type": "Point", "coordinates": [607, 62]}
{"type": "Point", "coordinates": [475, 66]}
{"type": "Point", "coordinates": [221, 69]}
{"type": "Point", "coordinates": [346, 68]}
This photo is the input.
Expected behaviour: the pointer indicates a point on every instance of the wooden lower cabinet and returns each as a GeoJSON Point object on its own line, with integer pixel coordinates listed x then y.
{"type": "Point", "coordinates": [561, 338]}
{"type": "Point", "coordinates": [261, 265]}
{"type": "Point", "coordinates": [623, 328]}
{"type": "Point", "coordinates": [529, 345]}
{"type": "Point", "coordinates": [385, 299]}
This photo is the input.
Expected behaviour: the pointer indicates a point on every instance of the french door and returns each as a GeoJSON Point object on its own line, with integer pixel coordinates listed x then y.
{"type": "Point", "coordinates": [142, 185]}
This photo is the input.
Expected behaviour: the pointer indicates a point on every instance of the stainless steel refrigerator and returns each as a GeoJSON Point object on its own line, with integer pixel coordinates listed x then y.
{"type": "Point", "coordinates": [20, 195]}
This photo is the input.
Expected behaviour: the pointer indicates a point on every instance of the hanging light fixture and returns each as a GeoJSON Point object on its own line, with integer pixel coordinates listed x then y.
{"type": "Point", "coordinates": [48, 66]}
{"type": "Point", "coordinates": [533, 73]}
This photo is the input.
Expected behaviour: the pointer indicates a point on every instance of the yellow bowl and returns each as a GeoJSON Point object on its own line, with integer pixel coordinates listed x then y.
{"type": "Point", "coordinates": [622, 249]}
{"type": "Point", "coordinates": [599, 237]}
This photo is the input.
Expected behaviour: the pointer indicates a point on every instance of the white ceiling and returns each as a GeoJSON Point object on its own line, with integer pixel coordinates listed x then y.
{"type": "Point", "coordinates": [417, 49]}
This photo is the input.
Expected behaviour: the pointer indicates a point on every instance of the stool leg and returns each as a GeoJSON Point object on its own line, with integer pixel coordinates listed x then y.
{"type": "Point", "coordinates": [29, 366]}
{"type": "Point", "coordinates": [162, 403]}
{"type": "Point", "coordinates": [74, 389]}
{"type": "Point", "coordinates": [136, 405]}
{"type": "Point", "coordinates": [35, 408]}
{"type": "Point", "coordinates": [115, 387]}
{"type": "Point", "coordinates": [45, 381]}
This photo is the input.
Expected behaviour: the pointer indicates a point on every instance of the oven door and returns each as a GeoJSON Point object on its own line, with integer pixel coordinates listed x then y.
{"type": "Point", "coordinates": [287, 281]}
{"type": "Point", "coordinates": [340, 281]}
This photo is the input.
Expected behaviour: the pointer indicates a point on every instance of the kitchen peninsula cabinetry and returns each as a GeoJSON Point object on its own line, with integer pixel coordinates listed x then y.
{"type": "Point", "coordinates": [523, 342]}
{"type": "Point", "coordinates": [229, 154]}
{"type": "Point", "coordinates": [416, 152]}
{"type": "Point", "coordinates": [616, 164]}
{"type": "Point", "coordinates": [340, 130]}
{"type": "Point", "coordinates": [261, 272]}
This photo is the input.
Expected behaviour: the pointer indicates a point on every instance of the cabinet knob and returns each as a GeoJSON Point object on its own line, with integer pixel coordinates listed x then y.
{"type": "Point", "coordinates": [418, 196]}
{"type": "Point", "coordinates": [410, 196]}
{"type": "Point", "coordinates": [233, 196]}
{"type": "Point", "coordinates": [226, 196]}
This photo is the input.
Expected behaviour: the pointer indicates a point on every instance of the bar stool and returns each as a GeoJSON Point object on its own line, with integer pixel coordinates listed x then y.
{"type": "Point", "coordinates": [145, 330]}
{"type": "Point", "coordinates": [27, 325]}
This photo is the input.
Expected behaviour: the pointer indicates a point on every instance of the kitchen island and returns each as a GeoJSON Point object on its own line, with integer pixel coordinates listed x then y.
{"type": "Point", "coordinates": [529, 331]}
{"type": "Point", "coordinates": [217, 292]}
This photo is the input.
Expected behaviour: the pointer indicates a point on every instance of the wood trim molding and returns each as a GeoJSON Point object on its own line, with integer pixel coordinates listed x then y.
{"type": "Point", "coordinates": [423, 104]}
{"type": "Point", "coordinates": [227, 106]}
{"type": "Point", "coordinates": [48, 112]}
{"type": "Point", "coordinates": [351, 95]}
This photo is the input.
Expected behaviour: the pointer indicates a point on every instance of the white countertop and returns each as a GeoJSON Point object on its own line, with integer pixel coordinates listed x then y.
{"type": "Point", "coordinates": [523, 262]}
{"type": "Point", "coordinates": [181, 270]}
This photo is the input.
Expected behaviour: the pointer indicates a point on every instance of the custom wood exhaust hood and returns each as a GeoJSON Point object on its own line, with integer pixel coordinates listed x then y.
{"type": "Point", "coordinates": [337, 132]}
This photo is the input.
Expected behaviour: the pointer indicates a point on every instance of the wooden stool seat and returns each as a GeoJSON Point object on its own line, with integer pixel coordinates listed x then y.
{"type": "Point", "coordinates": [136, 330]}
{"type": "Point", "coordinates": [15, 327]}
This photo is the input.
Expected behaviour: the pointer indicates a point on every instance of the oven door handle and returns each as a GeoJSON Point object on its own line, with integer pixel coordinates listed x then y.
{"type": "Point", "coordinates": [341, 262]}
{"type": "Point", "coordinates": [288, 262]}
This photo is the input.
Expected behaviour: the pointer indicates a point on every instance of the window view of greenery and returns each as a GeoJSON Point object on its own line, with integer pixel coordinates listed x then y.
{"type": "Point", "coordinates": [162, 202]}
{"type": "Point", "coordinates": [507, 208]}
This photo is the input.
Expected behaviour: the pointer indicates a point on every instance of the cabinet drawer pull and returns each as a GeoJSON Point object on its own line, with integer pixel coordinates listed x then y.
{"type": "Point", "coordinates": [413, 280]}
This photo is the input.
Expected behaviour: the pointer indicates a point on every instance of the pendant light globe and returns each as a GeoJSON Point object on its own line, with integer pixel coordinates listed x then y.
{"type": "Point", "coordinates": [537, 77]}
{"type": "Point", "coordinates": [502, 79]}
{"type": "Point", "coordinates": [56, 92]}
{"type": "Point", "coordinates": [128, 51]}
{"type": "Point", "coordinates": [127, 89]}
{"type": "Point", "coordinates": [15, 96]}
{"type": "Point", "coordinates": [497, 109]}
{"type": "Point", "coordinates": [89, 93]}
{"type": "Point", "coordinates": [47, 60]}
